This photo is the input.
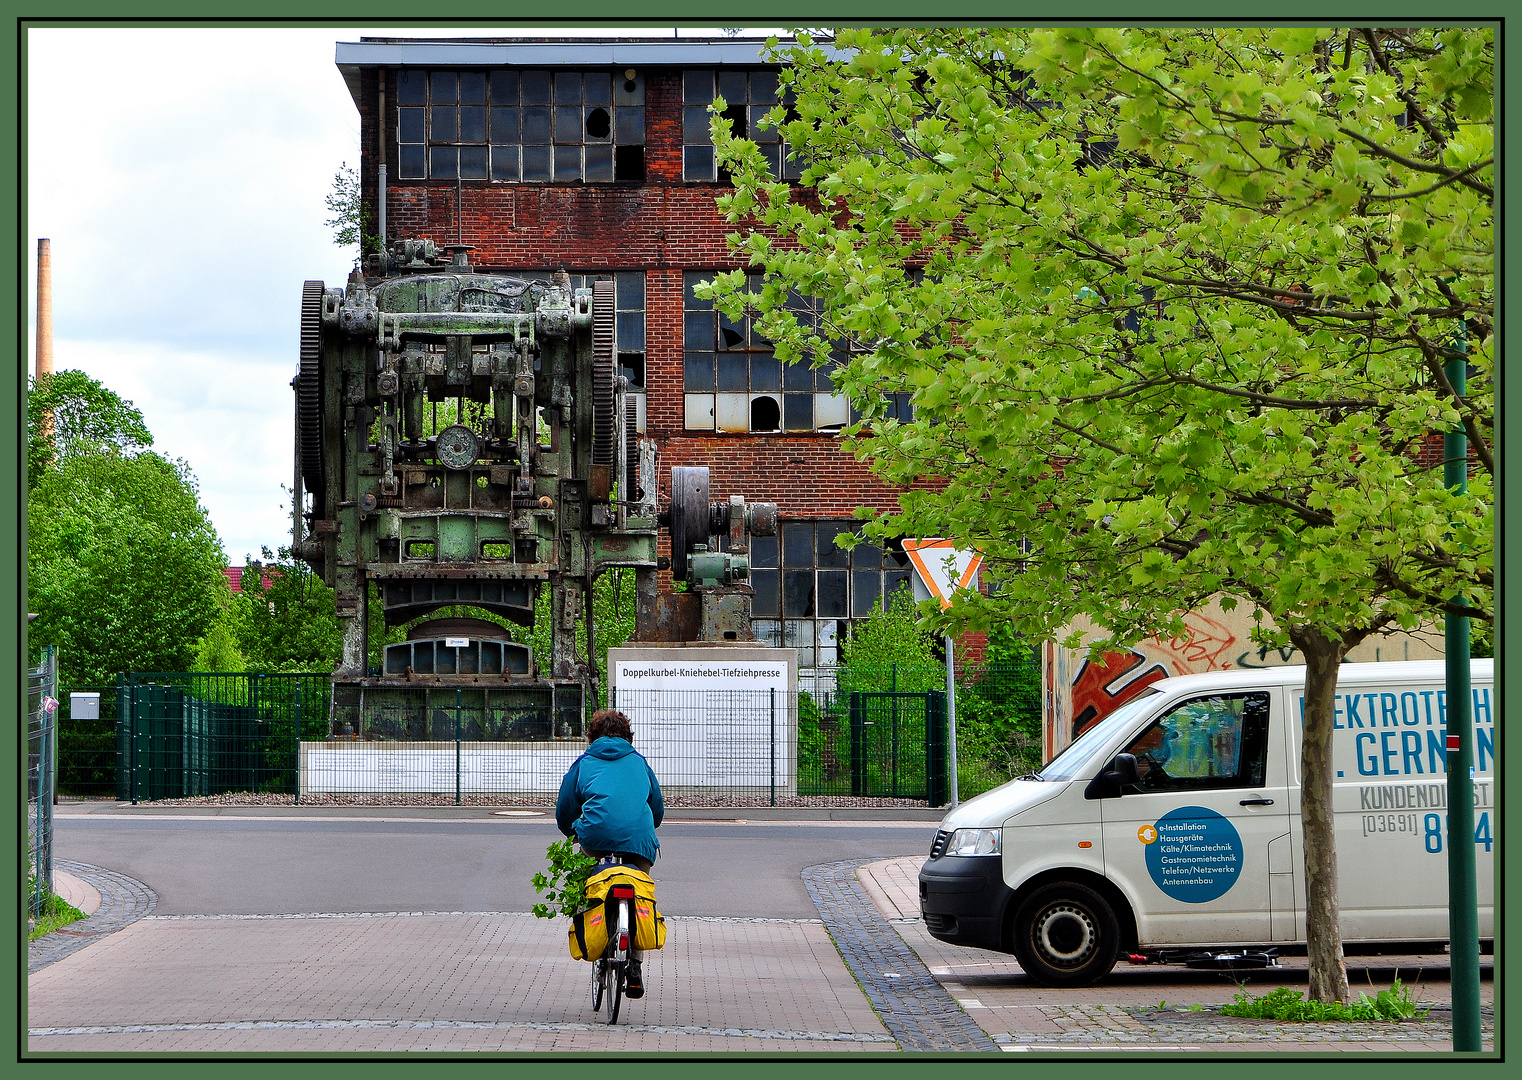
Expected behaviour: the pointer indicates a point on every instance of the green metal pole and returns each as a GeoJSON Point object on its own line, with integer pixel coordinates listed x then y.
{"type": "Point", "coordinates": [951, 720]}
{"type": "Point", "coordinates": [1463, 903]}
{"type": "Point", "coordinates": [774, 745]}
{"type": "Point", "coordinates": [131, 734]}
{"type": "Point", "coordinates": [457, 746]}
{"type": "Point", "coordinates": [296, 746]}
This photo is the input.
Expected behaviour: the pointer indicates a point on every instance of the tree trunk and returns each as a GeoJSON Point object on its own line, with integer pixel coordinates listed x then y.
{"type": "Point", "coordinates": [1328, 973]}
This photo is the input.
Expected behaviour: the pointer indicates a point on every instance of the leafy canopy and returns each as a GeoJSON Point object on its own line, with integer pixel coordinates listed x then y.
{"type": "Point", "coordinates": [124, 568]}
{"type": "Point", "coordinates": [67, 412]}
{"type": "Point", "coordinates": [1173, 305]}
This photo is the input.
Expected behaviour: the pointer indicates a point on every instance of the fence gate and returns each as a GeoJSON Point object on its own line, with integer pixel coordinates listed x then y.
{"type": "Point", "coordinates": [898, 745]}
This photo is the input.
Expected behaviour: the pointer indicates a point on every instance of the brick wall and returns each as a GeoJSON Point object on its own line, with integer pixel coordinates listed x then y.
{"type": "Point", "coordinates": [664, 227]}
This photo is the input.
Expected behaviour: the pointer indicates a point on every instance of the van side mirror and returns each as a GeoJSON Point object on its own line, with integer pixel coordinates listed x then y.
{"type": "Point", "coordinates": [1114, 778]}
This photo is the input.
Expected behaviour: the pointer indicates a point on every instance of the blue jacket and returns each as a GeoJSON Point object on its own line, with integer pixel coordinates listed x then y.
{"type": "Point", "coordinates": [611, 800]}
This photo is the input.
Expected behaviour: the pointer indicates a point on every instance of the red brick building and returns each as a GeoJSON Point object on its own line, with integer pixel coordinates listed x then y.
{"type": "Point", "coordinates": [593, 156]}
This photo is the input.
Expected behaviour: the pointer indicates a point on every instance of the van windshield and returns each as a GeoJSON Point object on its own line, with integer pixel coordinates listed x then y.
{"type": "Point", "coordinates": [1073, 760]}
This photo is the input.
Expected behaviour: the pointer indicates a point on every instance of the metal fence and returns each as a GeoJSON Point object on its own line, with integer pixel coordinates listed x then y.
{"type": "Point", "coordinates": [87, 748]}
{"type": "Point", "coordinates": [41, 776]}
{"type": "Point", "coordinates": [858, 736]}
{"type": "Point", "coordinates": [184, 735]}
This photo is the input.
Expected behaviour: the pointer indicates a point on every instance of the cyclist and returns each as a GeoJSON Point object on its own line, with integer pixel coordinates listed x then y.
{"type": "Point", "coordinates": [610, 801]}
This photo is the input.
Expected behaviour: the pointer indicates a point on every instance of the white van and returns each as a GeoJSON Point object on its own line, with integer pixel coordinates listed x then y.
{"type": "Point", "coordinates": [1069, 869]}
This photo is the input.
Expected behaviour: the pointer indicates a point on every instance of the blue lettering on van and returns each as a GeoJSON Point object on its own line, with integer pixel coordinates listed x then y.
{"type": "Point", "coordinates": [1373, 700]}
{"type": "Point", "coordinates": [1388, 753]}
{"type": "Point", "coordinates": [1411, 750]}
{"type": "Point", "coordinates": [1414, 716]}
{"type": "Point", "coordinates": [1427, 697]}
{"type": "Point", "coordinates": [1442, 707]}
{"type": "Point", "coordinates": [1197, 855]}
{"type": "Point", "coordinates": [1387, 705]}
{"type": "Point", "coordinates": [1484, 743]}
{"type": "Point", "coordinates": [1353, 700]}
{"type": "Point", "coordinates": [1437, 751]}
{"type": "Point", "coordinates": [1481, 704]}
{"type": "Point", "coordinates": [1367, 766]}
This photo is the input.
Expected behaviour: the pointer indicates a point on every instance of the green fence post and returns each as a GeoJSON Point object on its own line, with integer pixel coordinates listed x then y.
{"type": "Point", "coordinates": [124, 755]}
{"type": "Point", "coordinates": [894, 745]}
{"type": "Point", "coordinates": [457, 746]}
{"type": "Point", "coordinates": [858, 745]}
{"type": "Point", "coordinates": [774, 745]}
{"type": "Point", "coordinates": [296, 746]}
{"type": "Point", "coordinates": [935, 748]}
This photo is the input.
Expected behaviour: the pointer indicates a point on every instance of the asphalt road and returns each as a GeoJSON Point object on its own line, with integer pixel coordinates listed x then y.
{"type": "Point", "coordinates": [329, 862]}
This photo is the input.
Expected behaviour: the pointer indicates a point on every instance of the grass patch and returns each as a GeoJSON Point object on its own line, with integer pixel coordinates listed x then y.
{"type": "Point", "coordinates": [1395, 1003]}
{"type": "Point", "coordinates": [55, 912]}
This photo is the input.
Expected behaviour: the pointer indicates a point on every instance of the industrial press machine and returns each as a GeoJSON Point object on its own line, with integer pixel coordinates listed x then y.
{"type": "Point", "coordinates": [464, 439]}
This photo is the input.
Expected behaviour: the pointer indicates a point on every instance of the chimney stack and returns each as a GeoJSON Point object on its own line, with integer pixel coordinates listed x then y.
{"type": "Point", "coordinates": [44, 364]}
{"type": "Point", "coordinates": [44, 308]}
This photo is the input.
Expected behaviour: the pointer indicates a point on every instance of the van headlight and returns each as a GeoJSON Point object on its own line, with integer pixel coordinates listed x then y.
{"type": "Point", "coordinates": [975, 842]}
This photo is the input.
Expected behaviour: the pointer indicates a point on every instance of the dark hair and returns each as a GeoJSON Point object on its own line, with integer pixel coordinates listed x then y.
{"type": "Point", "coordinates": [609, 724]}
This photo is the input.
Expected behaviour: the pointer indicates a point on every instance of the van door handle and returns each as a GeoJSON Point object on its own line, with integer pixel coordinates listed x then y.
{"type": "Point", "coordinates": [1256, 802]}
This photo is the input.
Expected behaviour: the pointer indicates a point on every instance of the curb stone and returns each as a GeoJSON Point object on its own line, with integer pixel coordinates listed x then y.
{"type": "Point", "coordinates": [123, 901]}
{"type": "Point", "coordinates": [913, 1005]}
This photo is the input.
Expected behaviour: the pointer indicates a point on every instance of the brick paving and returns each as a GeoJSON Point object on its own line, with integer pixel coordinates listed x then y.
{"type": "Point", "coordinates": [916, 1009]}
{"type": "Point", "coordinates": [443, 981]}
{"type": "Point", "coordinates": [1123, 1012]}
{"type": "Point", "coordinates": [122, 902]}
{"type": "Point", "coordinates": [503, 981]}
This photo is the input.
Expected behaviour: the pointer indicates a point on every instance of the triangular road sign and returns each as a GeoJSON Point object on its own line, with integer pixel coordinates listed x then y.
{"type": "Point", "coordinates": [942, 567]}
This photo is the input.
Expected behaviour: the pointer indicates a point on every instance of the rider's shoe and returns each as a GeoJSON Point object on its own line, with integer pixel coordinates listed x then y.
{"type": "Point", "coordinates": [634, 981]}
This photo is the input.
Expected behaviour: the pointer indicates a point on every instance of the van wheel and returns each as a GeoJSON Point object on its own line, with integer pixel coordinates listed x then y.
{"type": "Point", "coordinates": [1066, 934]}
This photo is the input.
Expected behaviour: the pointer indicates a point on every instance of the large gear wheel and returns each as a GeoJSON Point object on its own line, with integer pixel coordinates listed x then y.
{"type": "Point", "coordinates": [604, 376]}
{"type": "Point", "coordinates": [309, 394]}
{"type": "Point", "coordinates": [631, 491]}
{"type": "Point", "coordinates": [689, 515]}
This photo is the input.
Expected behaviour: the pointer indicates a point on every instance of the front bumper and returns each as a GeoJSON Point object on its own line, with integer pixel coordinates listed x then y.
{"type": "Point", "coordinates": [964, 900]}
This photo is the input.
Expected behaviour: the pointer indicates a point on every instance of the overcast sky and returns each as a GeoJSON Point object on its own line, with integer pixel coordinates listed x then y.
{"type": "Point", "coordinates": [180, 176]}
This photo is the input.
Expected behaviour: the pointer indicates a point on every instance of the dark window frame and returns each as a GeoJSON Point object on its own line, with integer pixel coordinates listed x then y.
{"type": "Point", "coordinates": [761, 95]}
{"type": "Point", "coordinates": [516, 138]}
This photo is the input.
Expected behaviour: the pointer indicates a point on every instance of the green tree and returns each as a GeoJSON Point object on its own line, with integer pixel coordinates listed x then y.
{"type": "Point", "coordinates": [890, 650]}
{"type": "Point", "coordinates": [351, 213]}
{"type": "Point", "coordinates": [67, 412]}
{"type": "Point", "coordinates": [218, 649]}
{"type": "Point", "coordinates": [124, 569]}
{"type": "Point", "coordinates": [291, 624]}
{"type": "Point", "coordinates": [1174, 307]}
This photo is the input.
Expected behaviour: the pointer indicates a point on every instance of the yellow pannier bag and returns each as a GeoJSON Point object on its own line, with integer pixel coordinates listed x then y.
{"type": "Point", "coordinates": [590, 928]}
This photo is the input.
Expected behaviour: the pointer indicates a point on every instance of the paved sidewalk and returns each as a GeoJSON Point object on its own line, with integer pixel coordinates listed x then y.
{"type": "Point", "coordinates": [76, 892]}
{"type": "Point", "coordinates": [1123, 1013]}
{"type": "Point", "coordinates": [440, 981]}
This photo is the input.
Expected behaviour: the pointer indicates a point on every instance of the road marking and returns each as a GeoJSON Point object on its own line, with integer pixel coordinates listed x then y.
{"type": "Point", "coordinates": [460, 1025]}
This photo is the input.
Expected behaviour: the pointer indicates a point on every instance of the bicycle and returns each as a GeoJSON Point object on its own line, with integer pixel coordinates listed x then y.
{"type": "Point", "coordinates": [610, 974]}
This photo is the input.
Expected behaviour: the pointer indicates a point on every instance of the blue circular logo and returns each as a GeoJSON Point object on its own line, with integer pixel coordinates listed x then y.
{"type": "Point", "coordinates": [1195, 855]}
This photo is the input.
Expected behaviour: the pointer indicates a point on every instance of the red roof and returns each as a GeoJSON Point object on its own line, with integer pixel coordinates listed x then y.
{"type": "Point", "coordinates": [235, 578]}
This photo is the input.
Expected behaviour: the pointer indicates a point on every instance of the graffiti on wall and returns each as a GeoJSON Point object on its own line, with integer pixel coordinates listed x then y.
{"type": "Point", "coordinates": [1099, 688]}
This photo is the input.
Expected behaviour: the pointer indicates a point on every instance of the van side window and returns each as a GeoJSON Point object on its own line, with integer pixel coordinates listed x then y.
{"type": "Point", "coordinates": [1219, 741]}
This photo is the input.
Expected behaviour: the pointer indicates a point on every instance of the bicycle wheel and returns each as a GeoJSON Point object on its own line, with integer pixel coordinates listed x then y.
{"type": "Point", "coordinates": [613, 989]}
{"type": "Point", "coordinates": [597, 982]}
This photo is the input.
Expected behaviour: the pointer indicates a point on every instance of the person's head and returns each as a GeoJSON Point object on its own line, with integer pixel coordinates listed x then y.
{"type": "Point", "coordinates": [611, 724]}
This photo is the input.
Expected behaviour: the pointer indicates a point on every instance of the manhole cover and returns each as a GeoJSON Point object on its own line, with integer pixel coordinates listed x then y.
{"type": "Point", "coordinates": [517, 813]}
